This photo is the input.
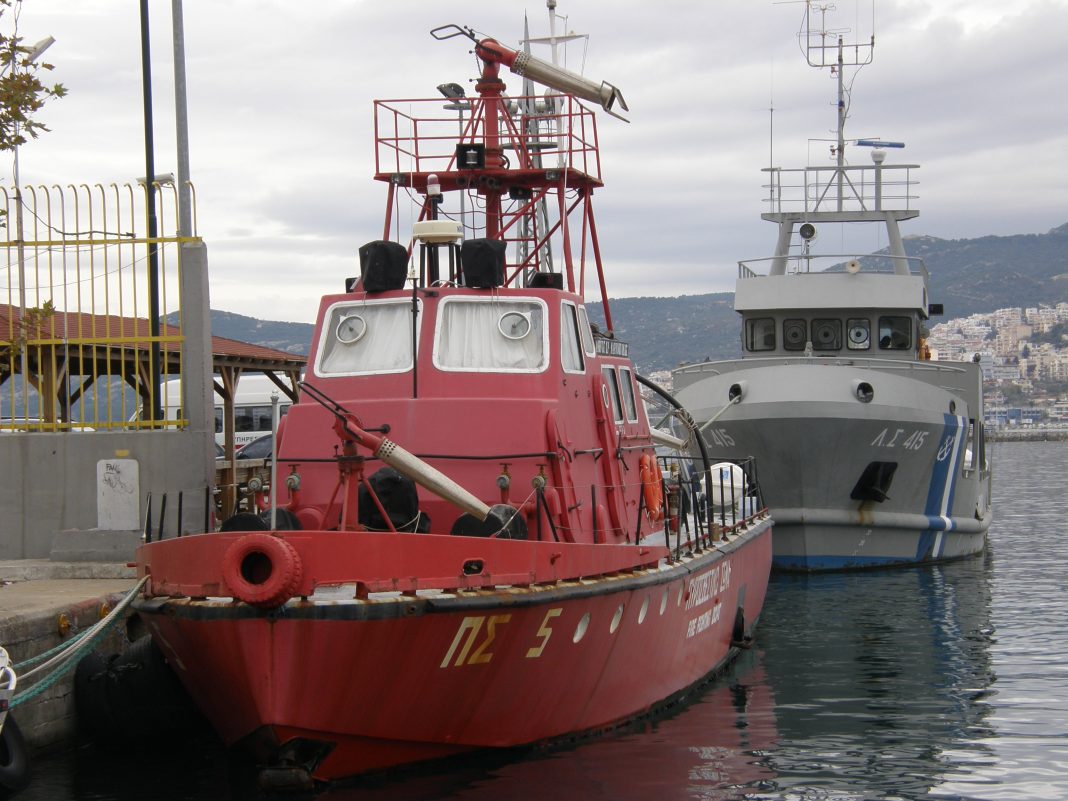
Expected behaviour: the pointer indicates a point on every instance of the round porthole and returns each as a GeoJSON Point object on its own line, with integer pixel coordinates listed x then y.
{"type": "Point", "coordinates": [514, 325]}
{"type": "Point", "coordinates": [616, 618]}
{"type": "Point", "coordinates": [580, 629]}
{"type": "Point", "coordinates": [351, 329]}
{"type": "Point", "coordinates": [642, 612]}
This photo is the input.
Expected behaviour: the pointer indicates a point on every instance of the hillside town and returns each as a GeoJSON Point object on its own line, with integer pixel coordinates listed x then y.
{"type": "Point", "coordinates": [1024, 356]}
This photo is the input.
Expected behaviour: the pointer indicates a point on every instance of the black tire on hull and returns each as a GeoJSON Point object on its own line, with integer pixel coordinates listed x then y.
{"type": "Point", "coordinates": [14, 762]}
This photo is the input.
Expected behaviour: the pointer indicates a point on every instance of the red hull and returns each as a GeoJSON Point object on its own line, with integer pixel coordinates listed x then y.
{"type": "Point", "coordinates": [396, 679]}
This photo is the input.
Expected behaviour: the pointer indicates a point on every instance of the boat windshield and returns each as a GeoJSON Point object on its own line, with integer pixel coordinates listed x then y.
{"type": "Point", "coordinates": [368, 337]}
{"type": "Point", "coordinates": [491, 335]}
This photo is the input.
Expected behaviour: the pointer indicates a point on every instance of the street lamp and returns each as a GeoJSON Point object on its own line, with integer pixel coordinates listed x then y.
{"type": "Point", "coordinates": [35, 53]}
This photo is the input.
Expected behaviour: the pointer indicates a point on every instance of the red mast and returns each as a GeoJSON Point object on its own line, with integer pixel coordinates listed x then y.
{"type": "Point", "coordinates": [496, 155]}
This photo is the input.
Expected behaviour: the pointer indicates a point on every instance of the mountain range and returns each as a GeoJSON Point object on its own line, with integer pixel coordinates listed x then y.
{"type": "Point", "coordinates": [968, 276]}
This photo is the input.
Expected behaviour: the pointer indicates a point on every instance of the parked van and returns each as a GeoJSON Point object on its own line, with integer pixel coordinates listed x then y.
{"type": "Point", "coordinates": [252, 407]}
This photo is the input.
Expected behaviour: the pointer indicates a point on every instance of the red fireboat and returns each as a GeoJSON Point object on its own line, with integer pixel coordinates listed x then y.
{"type": "Point", "coordinates": [473, 541]}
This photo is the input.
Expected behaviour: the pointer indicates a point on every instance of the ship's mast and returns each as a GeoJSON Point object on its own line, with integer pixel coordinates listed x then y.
{"type": "Point", "coordinates": [836, 56]}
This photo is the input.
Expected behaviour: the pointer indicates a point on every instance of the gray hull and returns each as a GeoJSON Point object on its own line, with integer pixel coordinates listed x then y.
{"type": "Point", "coordinates": [900, 479]}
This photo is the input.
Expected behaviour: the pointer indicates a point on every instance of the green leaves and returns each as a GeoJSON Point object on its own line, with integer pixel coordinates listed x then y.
{"type": "Point", "coordinates": [22, 93]}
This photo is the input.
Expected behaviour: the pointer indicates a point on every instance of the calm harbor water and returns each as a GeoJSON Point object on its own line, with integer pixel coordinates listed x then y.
{"type": "Point", "coordinates": [945, 682]}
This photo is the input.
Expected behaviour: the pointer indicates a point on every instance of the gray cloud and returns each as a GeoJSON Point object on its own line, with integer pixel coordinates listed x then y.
{"type": "Point", "coordinates": [280, 111]}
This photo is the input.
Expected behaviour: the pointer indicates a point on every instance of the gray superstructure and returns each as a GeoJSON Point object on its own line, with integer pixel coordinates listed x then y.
{"type": "Point", "coordinates": [871, 452]}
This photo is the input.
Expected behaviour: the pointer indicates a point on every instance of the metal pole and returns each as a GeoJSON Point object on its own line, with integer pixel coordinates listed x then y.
{"type": "Point", "coordinates": [274, 460]}
{"type": "Point", "coordinates": [841, 124]}
{"type": "Point", "coordinates": [181, 122]}
{"type": "Point", "coordinates": [197, 358]}
{"type": "Point", "coordinates": [47, 410]}
{"type": "Point", "coordinates": [150, 200]}
{"type": "Point", "coordinates": [23, 333]}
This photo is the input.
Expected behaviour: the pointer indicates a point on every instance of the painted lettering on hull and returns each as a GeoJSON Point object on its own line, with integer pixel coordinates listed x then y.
{"type": "Point", "coordinates": [907, 439]}
{"type": "Point", "coordinates": [704, 588]}
{"type": "Point", "coordinates": [471, 645]}
{"type": "Point", "coordinates": [466, 637]}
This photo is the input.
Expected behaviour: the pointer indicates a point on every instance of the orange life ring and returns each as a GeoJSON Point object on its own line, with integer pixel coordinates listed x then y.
{"type": "Point", "coordinates": [652, 486]}
{"type": "Point", "coordinates": [262, 570]}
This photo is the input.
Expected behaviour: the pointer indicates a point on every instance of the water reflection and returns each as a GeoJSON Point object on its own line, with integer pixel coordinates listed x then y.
{"type": "Point", "coordinates": [877, 676]}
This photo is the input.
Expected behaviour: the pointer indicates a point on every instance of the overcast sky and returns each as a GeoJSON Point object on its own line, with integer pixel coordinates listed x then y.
{"type": "Point", "coordinates": [280, 101]}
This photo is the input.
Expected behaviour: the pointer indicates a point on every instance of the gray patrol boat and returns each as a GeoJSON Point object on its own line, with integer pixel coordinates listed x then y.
{"type": "Point", "coordinates": [871, 453]}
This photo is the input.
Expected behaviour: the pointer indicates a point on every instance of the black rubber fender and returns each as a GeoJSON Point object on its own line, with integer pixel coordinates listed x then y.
{"type": "Point", "coordinates": [14, 761]}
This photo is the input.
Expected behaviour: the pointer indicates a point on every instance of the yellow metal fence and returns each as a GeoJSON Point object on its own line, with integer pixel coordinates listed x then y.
{"type": "Point", "coordinates": [78, 347]}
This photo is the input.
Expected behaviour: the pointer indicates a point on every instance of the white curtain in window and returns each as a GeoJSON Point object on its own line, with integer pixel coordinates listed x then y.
{"type": "Point", "coordinates": [385, 347]}
{"type": "Point", "coordinates": [469, 337]}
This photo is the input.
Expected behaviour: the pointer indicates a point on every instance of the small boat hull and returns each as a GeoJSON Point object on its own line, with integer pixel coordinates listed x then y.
{"type": "Point", "coordinates": [351, 685]}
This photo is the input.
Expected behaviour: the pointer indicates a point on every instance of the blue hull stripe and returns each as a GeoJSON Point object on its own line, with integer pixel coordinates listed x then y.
{"type": "Point", "coordinates": [943, 485]}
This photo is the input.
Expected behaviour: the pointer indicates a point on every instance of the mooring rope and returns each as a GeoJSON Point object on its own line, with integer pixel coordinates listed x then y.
{"type": "Point", "coordinates": [63, 658]}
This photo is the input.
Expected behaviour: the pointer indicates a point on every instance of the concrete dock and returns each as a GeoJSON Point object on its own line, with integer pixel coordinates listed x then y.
{"type": "Point", "coordinates": [43, 604]}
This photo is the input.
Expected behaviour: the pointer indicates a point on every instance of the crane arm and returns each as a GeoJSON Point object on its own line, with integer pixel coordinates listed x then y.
{"type": "Point", "coordinates": [525, 65]}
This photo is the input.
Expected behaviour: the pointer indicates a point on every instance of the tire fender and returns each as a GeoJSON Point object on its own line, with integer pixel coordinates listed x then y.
{"type": "Point", "coordinates": [262, 570]}
{"type": "Point", "coordinates": [14, 762]}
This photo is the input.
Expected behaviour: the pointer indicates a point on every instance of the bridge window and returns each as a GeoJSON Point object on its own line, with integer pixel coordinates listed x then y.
{"type": "Point", "coordinates": [895, 333]}
{"type": "Point", "coordinates": [626, 381]}
{"type": "Point", "coordinates": [858, 333]}
{"type": "Point", "coordinates": [826, 334]}
{"type": "Point", "coordinates": [491, 335]}
{"type": "Point", "coordinates": [612, 399]}
{"type": "Point", "coordinates": [794, 334]}
{"type": "Point", "coordinates": [368, 337]}
{"type": "Point", "coordinates": [760, 334]}
{"type": "Point", "coordinates": [585, 333]}
{"type": "Point", "coordinates": [570, 346]}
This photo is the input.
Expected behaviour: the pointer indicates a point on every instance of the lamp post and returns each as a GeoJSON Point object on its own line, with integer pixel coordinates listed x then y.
{"type": "Point", "coordinates": [35, 53]}
{"type": "Point", "coordinates": [154, 351]}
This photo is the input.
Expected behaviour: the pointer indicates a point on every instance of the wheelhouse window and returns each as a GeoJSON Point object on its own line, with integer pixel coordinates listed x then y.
{"type": "Point", "coordinates": [794, 334]}
{"type": "Point", "coordinates": [826, 334]}
{"type": "Point", "coordinates": [368, 337]}
{"type": "Point", "coordinates": [760, 334]}
{"type": "Point", "coordinates": [586, 333]}
{"type": "Point", "coordinates": [895, 333]}
{"type": "Point", "coordinates": [858, 333]}
{"type": "Point", "coordinates": [491, 335]}
{"type": "Point", "coordinates": [626, 382]}
{"type": "Point", "coordinates": [570, 345]}
{"type": "Point", "coordinates": [612, 400]}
